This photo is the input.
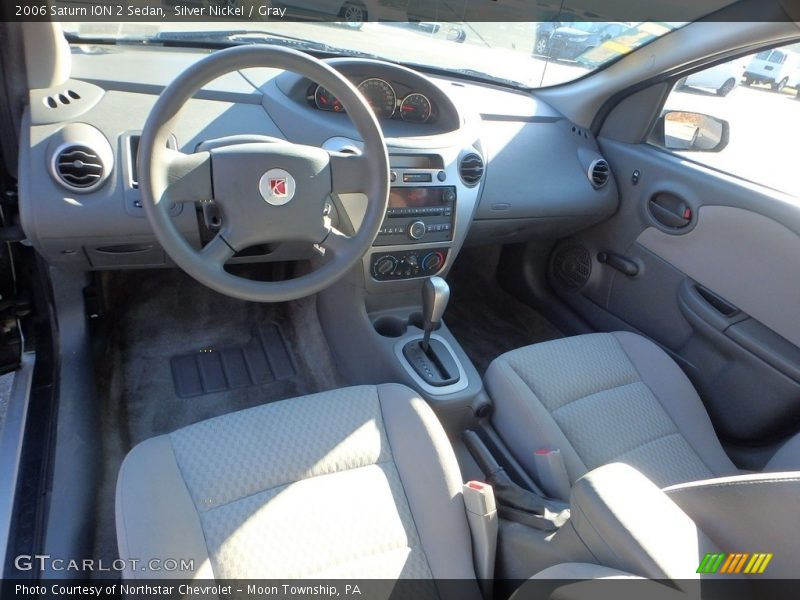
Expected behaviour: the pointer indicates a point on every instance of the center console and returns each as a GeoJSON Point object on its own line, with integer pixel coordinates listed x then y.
{"type": "Point", "coordinates": [396, 332]}
{"type": "Point", "coordinates": [416, 215]}
{"type": "Point", "coordinates": [429, 211]}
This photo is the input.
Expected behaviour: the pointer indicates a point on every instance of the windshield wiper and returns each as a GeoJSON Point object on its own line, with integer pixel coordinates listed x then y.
{"type": "Point", "coordinates": [232, 37]}
{"type": "Point", "coordinates": [225, 38]}
{"type": "Point", "coordinates": [473, 74]}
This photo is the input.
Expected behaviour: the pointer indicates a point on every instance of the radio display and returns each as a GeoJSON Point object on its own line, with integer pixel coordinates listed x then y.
{"type": "Point", "coordinates": [421, 197]}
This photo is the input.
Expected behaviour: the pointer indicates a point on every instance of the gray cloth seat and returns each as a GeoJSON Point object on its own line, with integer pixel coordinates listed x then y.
{"type": "Point", "coordinates": [609, 397]}
{"type": "Point", "coordinates": [358, 482]}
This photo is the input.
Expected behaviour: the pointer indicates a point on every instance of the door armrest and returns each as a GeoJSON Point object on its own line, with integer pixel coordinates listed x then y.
{"type": "Point", "coordinates": [747, 513]}
{"type": "Point", "coordinates": [628, 523]}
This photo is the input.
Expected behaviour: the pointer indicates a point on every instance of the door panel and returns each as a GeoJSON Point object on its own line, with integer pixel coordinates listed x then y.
{"type": "Point", "coordinates": [720, 293]}
{"type": "Point", "coordinates": [739, 255]}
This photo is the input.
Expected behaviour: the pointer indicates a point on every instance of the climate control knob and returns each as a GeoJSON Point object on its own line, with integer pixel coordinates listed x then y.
{"type": "Point", "coordinates": [385, 265]}
{"type": "Point", "coordinates": [416, 230]}
{"type": "Point", "coordinates": [432, 262]}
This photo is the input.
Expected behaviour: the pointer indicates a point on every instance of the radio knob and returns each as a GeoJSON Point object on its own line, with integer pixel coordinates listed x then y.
{"type": "Point", "coordinates": [449, 196]}
{"type": "Point", "coordinates": [416, 230]}
{"type": "Point", "coordinates": [385, 265]}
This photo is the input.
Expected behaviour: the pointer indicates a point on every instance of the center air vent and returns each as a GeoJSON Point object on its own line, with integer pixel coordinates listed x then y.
{"type": "Point", "coordinates": [599, 173]}
{"type": "Point", "coordinates": [471, 169]}
{"type": "Point", "coordinates": [79, 168]}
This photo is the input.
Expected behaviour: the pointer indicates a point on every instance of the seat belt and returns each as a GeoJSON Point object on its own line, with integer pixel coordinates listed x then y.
{"type": "Point", "coordinates": [482, 519]}
{"type": "Point", "coordinates": [515, 503]}
{"type": "Point", "coordinates": [552, 473]}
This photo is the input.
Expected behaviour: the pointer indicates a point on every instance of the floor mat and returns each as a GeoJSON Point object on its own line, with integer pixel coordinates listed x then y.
{"type": "Point", "coordinates": [486, 320]}
{"type": "Point", "coordinates": [264, 359]}
{"type": "Point", "coordinates": [153, 317]}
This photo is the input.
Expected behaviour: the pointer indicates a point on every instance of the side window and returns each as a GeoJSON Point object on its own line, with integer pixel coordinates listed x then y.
{"type": "Point", "coordinates": [741, 117]}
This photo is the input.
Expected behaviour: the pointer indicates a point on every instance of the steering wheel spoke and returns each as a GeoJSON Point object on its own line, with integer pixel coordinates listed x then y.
{"type": "Point", "coordinates": [350, 173]}
{"type": "Point", "coordinates": [218, 251]}
{"type": "Point", "coordinates": [188, 177]}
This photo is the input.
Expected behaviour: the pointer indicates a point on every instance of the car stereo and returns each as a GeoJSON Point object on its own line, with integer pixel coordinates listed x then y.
{"type": "Point", "coordinates": [418, 214]}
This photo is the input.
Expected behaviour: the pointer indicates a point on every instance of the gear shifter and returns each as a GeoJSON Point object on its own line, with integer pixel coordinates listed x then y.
{"type": "Point", "coordinates": [435, 295]}
{"type": "Point", "coordinates": [429, 357]}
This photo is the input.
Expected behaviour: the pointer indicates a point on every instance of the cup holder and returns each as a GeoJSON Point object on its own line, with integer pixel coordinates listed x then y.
{"type": "Point", "coordinates": [416, 319]}
{"type": "Point", "coordinates": [390, 326]}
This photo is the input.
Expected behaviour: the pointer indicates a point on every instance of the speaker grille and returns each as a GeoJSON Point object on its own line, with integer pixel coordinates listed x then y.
{"type": "Point", "coordinates": [572, 266]}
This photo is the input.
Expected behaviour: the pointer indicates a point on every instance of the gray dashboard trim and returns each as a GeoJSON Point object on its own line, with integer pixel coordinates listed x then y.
{"type": "Point", "coordinates": [253, 97]}
{"type": "Point", "coordinates": [520, 118]}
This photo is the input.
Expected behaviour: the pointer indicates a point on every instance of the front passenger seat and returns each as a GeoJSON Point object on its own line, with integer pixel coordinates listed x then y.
{"type": "Point", "coordinates": [609, 397]}
{"type": "Point", "coordinates": [358, 482]}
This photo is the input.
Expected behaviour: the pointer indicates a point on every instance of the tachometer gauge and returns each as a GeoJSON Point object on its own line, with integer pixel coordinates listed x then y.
{"type": "Point", "coordinates": [380, 96]}
{"type": "Point", "coordinates": [416, 108]}
{"type": "Point", "coordinates": [327, 101]}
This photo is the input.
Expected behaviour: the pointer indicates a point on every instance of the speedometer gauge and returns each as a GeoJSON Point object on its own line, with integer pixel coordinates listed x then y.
{"type": "Point", "coordinates": [380, 96]}
{"type": "Point", "coordinates": [416, 108]}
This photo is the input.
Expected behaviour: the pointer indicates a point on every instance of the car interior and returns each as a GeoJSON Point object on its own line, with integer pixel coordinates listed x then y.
{"type": "Point", "coordinates": [278, 312]}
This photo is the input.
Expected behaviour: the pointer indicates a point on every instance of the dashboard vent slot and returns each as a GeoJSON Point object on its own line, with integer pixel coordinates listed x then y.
{"type": "Point", "coordinates": [61, 99]}
{"type": "Point", "coordinates": [471, 169]}
{"type": "Point", "coordinates": [79, 168]}
{"type": "Point", "coordinates": [599, 173]}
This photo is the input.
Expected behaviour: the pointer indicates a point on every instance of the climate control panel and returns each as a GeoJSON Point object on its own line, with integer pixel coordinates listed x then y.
{"type": "Point", "coordinates": [407, 264]}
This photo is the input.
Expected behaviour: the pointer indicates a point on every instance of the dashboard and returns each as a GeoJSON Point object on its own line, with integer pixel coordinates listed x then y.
{"type": "Point", "coordinates": [470, 162]}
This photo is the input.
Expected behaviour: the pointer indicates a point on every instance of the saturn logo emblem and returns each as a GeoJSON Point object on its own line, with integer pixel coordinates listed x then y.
{"type": "Point", "coordinates": [277, 187]}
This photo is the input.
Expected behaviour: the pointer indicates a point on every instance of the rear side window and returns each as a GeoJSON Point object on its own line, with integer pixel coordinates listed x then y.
{"type": "Point", "coordinates": [741, 117]}
{"type": "Point", "coordinates": [777, 58]}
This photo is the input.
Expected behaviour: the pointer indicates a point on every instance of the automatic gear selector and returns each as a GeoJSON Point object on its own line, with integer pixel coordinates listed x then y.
{"type": "Point", "coordinates": [429, 357]}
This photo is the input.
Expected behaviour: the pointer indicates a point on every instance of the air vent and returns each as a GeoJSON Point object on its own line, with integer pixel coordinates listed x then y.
{"type": "Point", "coordinates": [61, 99]}
{"type": "Point", "coordinates": [79, 168]}
{"type": "Point", "coordinates": [471, 169]}
{"type": "Point", "coordinates": [599, 173]}
{"type": "Point", "coordinates": [571, 266]}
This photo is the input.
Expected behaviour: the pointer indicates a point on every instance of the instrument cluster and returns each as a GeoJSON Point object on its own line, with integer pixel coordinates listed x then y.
{"type": "Point", "coordinates": [384, 98]}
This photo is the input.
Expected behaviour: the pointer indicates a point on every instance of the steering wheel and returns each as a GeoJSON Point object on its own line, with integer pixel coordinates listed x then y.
{"type": "Point", "coordinates": [267, 192]}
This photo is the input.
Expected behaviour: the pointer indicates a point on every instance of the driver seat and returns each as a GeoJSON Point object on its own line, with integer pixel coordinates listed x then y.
{"type": "Point", "coordinates": [358, 482]}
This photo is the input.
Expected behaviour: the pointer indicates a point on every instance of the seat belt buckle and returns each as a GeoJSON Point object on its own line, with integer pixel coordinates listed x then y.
{"type": "Point", "coordinates": [552, 473]}
{"type": "Point", "coordinates": [483, 523]}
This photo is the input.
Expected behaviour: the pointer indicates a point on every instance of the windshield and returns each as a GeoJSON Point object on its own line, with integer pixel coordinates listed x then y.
{"type": "Point", "coordinates": [521, 54]}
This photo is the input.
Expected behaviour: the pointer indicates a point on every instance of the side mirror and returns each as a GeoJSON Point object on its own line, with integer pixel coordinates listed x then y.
{"type": "Point", "coordinates": [456, 34]}
{"type": "Point", "coordinates": [692, 132]}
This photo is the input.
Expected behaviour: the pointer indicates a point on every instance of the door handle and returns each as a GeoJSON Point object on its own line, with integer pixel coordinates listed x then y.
{"type": "Point", "coordinates": [702, 307]}
{"type": "Point", "coordinates": [670, 210]}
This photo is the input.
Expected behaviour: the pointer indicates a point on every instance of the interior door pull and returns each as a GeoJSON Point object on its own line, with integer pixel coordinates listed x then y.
{"type": "Point", "coordinates": [620, 263]}
{"type": "Point", "coordinates": [670, 211]}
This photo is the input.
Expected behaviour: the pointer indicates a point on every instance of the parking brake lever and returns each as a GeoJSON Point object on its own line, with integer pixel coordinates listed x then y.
{"type": "Point", "coordinates": [516, 503]}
